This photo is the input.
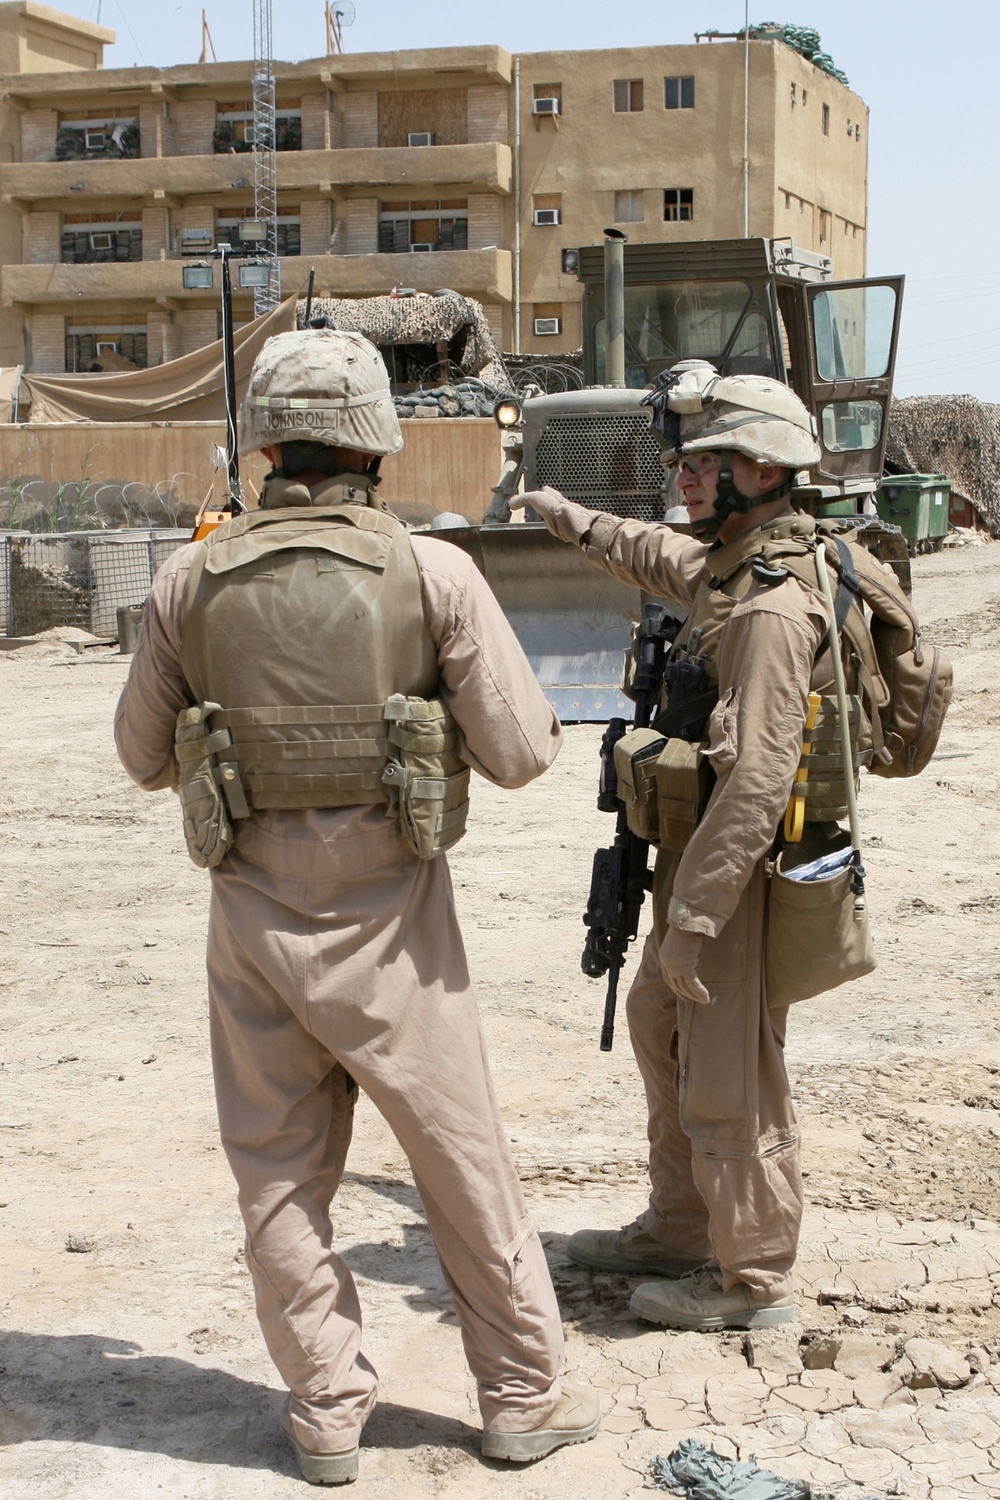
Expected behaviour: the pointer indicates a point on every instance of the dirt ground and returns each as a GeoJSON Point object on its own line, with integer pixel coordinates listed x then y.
{"type": "Point", "coordinates": [131, 1362]}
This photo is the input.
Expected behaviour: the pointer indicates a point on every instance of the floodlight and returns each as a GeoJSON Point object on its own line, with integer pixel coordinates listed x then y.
{"type": "Point", "coordinates": [253, 231]}
{"type": "Point", "coordinates": [197, 278]}
{"type": "Point", "coordinates": [254, 273]}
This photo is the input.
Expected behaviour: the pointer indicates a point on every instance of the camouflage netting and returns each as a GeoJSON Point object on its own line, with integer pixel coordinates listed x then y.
{"type": "Point", "coordinates": [426, 318]}
{"type": "Point", "coordinates": [954, 435]}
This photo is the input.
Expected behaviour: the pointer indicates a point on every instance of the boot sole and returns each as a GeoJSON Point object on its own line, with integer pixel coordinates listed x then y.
{"type": "Point", "coordinates": [324, 1468]}
{"type": "Point", "coordinates": [523, 1447]}
{"type": "Point", "coordinates": [672, 1269]}
{"type": "Point", "coordinates": [761, 1317]}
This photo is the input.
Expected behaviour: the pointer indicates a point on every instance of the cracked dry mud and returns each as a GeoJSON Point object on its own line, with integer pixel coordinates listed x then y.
{"type": "Point", "coordinates": [131, 1362]}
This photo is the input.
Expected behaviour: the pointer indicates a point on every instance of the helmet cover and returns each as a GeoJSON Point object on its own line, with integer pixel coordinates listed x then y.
{"type": "Point", "coordinates": [749, 414]}
{"type": "Point", "coordinates": [320, 385]}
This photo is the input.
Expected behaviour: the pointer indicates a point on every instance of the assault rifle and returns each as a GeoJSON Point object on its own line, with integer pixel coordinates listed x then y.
{"type": "Point", "coordinates": [620, 877]}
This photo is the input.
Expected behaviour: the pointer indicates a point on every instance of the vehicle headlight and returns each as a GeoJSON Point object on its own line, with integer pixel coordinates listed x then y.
{"type": "Point", "coordinates": [506, 412]}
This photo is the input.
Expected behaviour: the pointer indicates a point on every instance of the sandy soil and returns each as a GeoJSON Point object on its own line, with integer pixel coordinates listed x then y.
{"type": "Point", "coordinates": [131, 1361]}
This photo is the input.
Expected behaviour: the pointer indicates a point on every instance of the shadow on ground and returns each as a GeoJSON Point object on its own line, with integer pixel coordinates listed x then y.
{"type": "Point", "coordinates": [84, 1388]}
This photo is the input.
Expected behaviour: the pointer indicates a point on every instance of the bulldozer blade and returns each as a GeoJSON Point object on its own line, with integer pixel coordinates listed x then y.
{"type": "Point", "coordinates": [573, 620]}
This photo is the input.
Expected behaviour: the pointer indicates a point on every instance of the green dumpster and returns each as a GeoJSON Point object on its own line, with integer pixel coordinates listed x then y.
{"type": "Point", "coordinates": [918, 505]}
{"type": "Point", "coordinates": [847, 507]}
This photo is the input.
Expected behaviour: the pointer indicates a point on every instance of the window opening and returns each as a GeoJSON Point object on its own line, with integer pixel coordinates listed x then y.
{"type": "Point", "coordinates": [629, 206]}
{"type": "Point", "coordinates": [678, 93]}
{"type": "Point", "coordinates": [431, 224]}
{"type": "Point", "coordinates": [678, 204]}
{"type": "Point", "coordinates": [234, 127]}
{"type": "Point", "coordinates": [628, 96]}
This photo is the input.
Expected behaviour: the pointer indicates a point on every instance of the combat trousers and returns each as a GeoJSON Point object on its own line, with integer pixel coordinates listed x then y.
{"type": "Point", "coordinates": [723, 1142]}
{"type": "Point", "coordinates": [339, 958]}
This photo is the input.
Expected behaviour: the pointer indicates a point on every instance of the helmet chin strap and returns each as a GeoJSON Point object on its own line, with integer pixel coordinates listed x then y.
{"type": "Point", "coordinates": [730, 499]}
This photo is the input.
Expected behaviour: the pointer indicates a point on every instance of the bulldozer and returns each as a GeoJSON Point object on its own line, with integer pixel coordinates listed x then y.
{"type": "Point", "coordinates": [748, 306]}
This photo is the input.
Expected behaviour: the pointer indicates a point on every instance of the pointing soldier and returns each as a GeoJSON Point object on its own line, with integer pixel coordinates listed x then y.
{"type": "Point", "coordinates": [330, 681]}
{"type": "Point", "coordinates": [722, 1225]}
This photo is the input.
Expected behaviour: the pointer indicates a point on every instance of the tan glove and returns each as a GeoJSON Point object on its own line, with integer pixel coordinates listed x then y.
{"type": "Point", "coordinates": [679, 955]}
{"type": "Point", "coordinates": [564, 518]}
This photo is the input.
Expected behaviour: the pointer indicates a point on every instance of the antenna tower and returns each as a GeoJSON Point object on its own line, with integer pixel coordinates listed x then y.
{"type": "Point", "coordinates": [265, 168]}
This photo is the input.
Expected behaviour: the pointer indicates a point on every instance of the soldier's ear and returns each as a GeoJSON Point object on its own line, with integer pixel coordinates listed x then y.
{"type": "Point", "coordinates": [769, 476]}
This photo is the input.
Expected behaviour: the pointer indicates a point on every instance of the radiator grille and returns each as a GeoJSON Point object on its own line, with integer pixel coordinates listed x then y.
{"type": "Point", "coordinates": [607, 461]}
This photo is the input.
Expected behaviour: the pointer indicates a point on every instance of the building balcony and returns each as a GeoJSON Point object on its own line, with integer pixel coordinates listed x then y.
{"type": "Point", "coordinates": [483, 274]}
{"type": "Point", "coordinates": [431, 67]}
{"type": "Point", "coordinates": [57, 184]}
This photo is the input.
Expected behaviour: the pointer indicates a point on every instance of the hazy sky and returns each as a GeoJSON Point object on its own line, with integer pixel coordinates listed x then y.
{"type": "Point", "coordinates": [927, 73]}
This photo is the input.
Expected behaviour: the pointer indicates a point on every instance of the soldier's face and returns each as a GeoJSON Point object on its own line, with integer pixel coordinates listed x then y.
{"type": "Point", "coordinates": [698, 482]}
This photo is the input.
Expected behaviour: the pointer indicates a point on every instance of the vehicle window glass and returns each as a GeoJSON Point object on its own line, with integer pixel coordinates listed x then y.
{"type": "Point", "coordinates": [852, 329]}
{"type": "Point", "coordinates": [750, 353]}
{"type": "Point", "coordinates": [851, 426]}
{"type": "Point", "coordinates": [686, 320]}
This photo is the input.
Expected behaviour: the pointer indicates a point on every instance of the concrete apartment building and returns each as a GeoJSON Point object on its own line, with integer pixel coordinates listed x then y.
{"type": "Point", "coordinates": [454, 167]}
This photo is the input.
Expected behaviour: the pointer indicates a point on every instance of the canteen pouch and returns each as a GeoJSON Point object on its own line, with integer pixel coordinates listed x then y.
{"type": "Point", "coordinates": [426, 780]}
{"type": "Point", "coordinates": [684, 781]}
{"type": "Point", "coordinates": [817, 937]}
{"type": "Point", "coordinates": [208, 785]}
{"type": "Point", "coordinates": [635, 758]}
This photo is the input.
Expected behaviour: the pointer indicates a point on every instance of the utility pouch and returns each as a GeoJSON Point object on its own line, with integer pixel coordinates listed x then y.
{"type": "Point", "coordinates": [635, 758]}
{"type": "Point", "coordinates": [426, 780]}
{"type": "Point", "coordinates": [209, 785]}
{"type": "Point", "coordinates": [684, 781]}
{"type": "Point", "coordinates": [817, 931]}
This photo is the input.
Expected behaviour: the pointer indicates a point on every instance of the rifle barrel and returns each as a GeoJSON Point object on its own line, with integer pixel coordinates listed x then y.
{"type": "Point", "coordinates": [610, 1005]}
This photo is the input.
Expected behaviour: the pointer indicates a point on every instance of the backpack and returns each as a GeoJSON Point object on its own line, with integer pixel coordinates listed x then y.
{"type": "Point", "coordinates": [908, 684]}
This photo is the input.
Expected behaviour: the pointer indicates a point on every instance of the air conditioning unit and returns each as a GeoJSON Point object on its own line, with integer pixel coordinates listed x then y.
{"type": "Point", "coordinates": [546, 216]}
{"type": "Point", "coordinates": [421, 247]}
{"type": "Point", "coordinates": [101, 242]}
{"type": "Point", "coordinates": [547, 106]}
{"type": "Point", "coordinates": [420, 138]}
{"type": "Point", "coordinates": [95, 140]}
{"type": "Point", "coordinates": [547, 325]}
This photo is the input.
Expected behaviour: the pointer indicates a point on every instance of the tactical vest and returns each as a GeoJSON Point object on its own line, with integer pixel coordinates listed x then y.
{"type": "Point", "coordinates": [664, 775]}
{"type": "Point", "coordinates": [300, 623]}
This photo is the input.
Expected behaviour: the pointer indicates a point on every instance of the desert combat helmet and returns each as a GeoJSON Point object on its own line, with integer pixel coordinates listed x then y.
{"type": "Point", "coordinates": [697, 410]}
{"type": "Point", "coordinates": [320, 385]}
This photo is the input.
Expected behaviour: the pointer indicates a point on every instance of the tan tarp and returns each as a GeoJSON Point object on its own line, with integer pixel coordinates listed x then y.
{"type": "Point", "coordinates": [189, 389]}
{"type": "Point", "coordinates": [10, 380]}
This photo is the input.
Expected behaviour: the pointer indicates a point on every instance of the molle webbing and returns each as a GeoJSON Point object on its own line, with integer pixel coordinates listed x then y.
{"type": "Point", "coordinates": [293, 756]}
{"type": "Point", "coordinates": [823, 788]}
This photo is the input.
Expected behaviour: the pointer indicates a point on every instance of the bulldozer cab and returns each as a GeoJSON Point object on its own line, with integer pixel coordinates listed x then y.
{"type": "Point", "coordinates": [761, 307]}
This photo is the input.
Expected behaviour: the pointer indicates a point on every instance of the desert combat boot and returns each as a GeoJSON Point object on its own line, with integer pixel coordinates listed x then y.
{"type": "Point", "coordinates": [576, 1418]}
{"type": "Point", "coordinates": [320, 1468]}
{"type": "Point", "coordinates": [697, 1301]}
{"type": "Point", "coordinates": [630, 1250]}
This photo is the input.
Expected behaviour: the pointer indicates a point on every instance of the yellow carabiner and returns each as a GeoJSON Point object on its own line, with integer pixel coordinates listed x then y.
{"type": "Point", "coordinates": [795, 813]}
